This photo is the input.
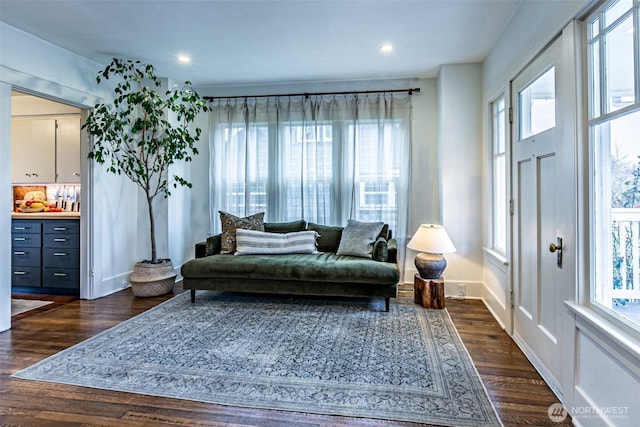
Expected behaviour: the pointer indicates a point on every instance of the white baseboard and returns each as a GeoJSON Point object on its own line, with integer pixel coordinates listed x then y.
{"type": "Point", "coordinates": [546, 375]}
{"type": "Point", "coordinates": [112, 284]}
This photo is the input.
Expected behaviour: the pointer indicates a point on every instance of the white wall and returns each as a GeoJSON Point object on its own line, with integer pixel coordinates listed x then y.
{"type": "Point", "coordinates": [531, 28]}
{"type": "Point", "coordinates": [607, 374]}
{"type": "Point", "coordinates": [179, 245]}
{"type": "Point", "coordinates": [32, 105]}
{"type": "Point", "coordinates": [6, 199]}
{"type": "Point", "coordinates": [460, 165]}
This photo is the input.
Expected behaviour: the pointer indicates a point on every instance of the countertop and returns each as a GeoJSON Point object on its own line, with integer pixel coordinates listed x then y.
{"type": "Point", "coordinates": [45, 215]}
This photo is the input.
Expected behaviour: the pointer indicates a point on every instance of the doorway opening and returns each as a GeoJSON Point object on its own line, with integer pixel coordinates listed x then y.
{"type": "Point", "coordinates": [50, 190]}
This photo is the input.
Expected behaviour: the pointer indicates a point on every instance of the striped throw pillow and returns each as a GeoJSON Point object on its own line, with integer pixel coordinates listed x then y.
{"type": "Point", "coordinates": [250, 242]}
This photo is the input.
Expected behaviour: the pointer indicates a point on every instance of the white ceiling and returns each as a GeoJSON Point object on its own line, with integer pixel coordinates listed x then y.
{"type": "Point", "coordinates": [248, 42]}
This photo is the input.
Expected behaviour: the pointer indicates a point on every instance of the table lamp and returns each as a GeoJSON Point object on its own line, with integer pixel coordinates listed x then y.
{"type": "Point", "coordinates": [431, 240]}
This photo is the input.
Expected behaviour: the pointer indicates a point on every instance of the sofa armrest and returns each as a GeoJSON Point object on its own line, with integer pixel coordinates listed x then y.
{"type": "Point", "coordinates": [392, 251]}
{"type": "Point", "coordinates": [211, 246]}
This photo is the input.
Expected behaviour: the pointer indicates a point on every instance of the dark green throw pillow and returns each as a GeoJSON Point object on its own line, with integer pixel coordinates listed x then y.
{"type": "Point", "coordinates": [385, 232]}
{"type": "Point", "coordinates": [380, 250]}
{"type": "Point", "coordinates": [330, 236]}
{"type": "Point", "coordinates": [285, 227]}
{"type": "Point", "coordinates": [214, 244]}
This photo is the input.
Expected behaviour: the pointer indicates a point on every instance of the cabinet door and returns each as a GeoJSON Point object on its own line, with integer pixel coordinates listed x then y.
{"type": "Point", "coordinates": [33, 144]}
{"type": "Point", "coordinates": [26, 240]}
{"type": "Point", "coordinates": [68, 150]}
{"type": "Point", "coordinates": [26, 257]}
{"type": "Point", "coordinates": [67, 278]}
{"type": "Point", "coordinates": [26, 276]}
{"type": "Point", "coordinates": [61, 257]}
{"type": "Point", "coordinates": [26, 227]}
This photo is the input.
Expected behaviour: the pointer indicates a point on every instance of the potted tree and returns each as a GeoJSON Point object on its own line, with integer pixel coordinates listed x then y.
{"type": "Point", "coordinates": [135, 137]}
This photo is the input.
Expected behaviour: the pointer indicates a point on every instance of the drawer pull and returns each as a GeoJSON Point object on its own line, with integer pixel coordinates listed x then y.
{"type": "Point", "coordinates": [59, 240]}
{"type": "Point", "coordinates": [60, 274]}
{"type": "Point", "coordinates": [20, 228]}
{"type": "Point", "coordinates": [20, 239]}
{"type": "Point", "coordinates": [19, 253]}
{"type": "Point", "coordinates": [19, 273]}
{"type": "Point", "coordinates": [59, 254]}
{"type": "Point", "coordinates": [59, 228]}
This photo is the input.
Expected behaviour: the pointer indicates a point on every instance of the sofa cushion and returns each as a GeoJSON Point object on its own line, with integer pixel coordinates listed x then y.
{"type": "Point", "coordinates": [320, 267]}
{"type": "Point", "coordinates": [329, 236]}
{"type": "Point", "coordinates": [358, 238]}
{"type": "Point", "coordinates": [230, 223]}
{"type": "Point", "coordinates": [285, 227]}
{"type": "Point", "coordinates": [258, 242]}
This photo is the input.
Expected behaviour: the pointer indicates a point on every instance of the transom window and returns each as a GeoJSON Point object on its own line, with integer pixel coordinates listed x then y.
{"type": "Point", "coordinates": [538, 105]}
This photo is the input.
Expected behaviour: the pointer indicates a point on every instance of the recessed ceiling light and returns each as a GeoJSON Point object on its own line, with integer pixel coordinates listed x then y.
{"type": "Point", "coordinates": [386, 48]}
{"type": "Point", "coordinates": [184, 59]}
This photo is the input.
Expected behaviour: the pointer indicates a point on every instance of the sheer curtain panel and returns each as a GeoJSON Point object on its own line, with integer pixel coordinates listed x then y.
{"type": "Point", "coordinates": [325, 159]}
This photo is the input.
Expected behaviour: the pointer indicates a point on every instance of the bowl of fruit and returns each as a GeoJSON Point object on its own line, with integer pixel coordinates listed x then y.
{"type": "Point", "coordinates": [32, 206]}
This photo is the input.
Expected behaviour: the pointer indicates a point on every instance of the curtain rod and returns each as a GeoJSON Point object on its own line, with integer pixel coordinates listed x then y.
{"type": "Point", "coordinates": [308, 94]}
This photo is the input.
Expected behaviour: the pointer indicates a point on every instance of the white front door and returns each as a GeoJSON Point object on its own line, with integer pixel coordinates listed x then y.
{"type": "Point", "coordinates": [542, 205]}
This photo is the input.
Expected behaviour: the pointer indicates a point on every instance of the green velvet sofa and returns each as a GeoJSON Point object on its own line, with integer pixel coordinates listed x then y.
{"type": "Point", "coordinates": [321, 274]}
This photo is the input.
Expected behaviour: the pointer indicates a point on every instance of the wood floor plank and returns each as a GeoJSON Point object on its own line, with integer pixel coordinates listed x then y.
{"type": "Point", "coordinates": [519, 394]}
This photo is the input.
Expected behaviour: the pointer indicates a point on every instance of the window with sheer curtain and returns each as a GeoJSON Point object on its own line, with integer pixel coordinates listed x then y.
{"type": "Point", "coordinates": [325, 159]}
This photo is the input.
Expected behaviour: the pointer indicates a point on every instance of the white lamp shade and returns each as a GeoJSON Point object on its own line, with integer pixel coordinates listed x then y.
{"type": "Point", "coordinates": [431, 238]}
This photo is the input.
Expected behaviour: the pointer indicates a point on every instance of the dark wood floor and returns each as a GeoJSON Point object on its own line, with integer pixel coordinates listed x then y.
{"type": "Point", "coordinates": [519, 394]}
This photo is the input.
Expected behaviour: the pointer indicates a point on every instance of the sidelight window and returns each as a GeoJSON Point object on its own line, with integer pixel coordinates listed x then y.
{"type": "Point", "coordinates": [614, 126]}
{"type": "Point", "coordinates": [499, 175]}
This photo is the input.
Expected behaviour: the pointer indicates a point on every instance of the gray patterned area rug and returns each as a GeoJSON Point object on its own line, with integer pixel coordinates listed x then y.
{"type": "Point", "coordinates": [325, 356]}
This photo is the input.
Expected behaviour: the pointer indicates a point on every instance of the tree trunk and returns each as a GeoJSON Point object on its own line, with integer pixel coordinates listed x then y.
{"type": "Point", "coordinates": [152, 230]}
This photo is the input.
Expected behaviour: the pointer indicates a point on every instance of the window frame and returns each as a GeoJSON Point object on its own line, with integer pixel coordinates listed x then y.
{"type": "Point", "coordinates": [598, 114]}
{"type": "Point", "coordinates": [494, 191]}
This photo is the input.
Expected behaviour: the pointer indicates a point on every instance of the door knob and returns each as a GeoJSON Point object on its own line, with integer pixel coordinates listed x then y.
{"type": "Point", "coordinates": [557, 247]}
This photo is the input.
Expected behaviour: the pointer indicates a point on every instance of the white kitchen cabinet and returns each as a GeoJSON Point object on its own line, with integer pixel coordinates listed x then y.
{"type": "Point", "coordinates": [45, 150]}
{"type": "Point", "coordinates": [68, 150]}
{"type": "Point", "coordinates": [33, 148]}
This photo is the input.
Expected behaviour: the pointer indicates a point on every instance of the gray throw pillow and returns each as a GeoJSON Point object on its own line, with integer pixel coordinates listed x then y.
{"type": "Point", "coordinates": [358, 238]}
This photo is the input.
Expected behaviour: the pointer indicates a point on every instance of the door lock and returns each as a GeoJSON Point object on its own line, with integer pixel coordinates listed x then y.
{"type": "Point", "coordinates": [557, 247]}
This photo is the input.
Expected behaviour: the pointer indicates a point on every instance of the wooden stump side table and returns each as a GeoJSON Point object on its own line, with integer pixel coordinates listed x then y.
{"type": "Point", "coordinates": [429, 293]}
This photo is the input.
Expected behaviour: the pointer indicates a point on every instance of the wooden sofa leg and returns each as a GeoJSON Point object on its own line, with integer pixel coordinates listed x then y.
{"type": "Point", "coordinates": [193, 296]}
{"type": "Point", "coordinates": [387, 301]}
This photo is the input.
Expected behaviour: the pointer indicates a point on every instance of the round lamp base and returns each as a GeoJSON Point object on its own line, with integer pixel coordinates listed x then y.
{"type": "Point", "coordinates": [430, 266]}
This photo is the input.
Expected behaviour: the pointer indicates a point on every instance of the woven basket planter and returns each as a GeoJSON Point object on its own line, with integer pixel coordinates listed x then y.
{"type": "Point", "coordinates": [151, 280]}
